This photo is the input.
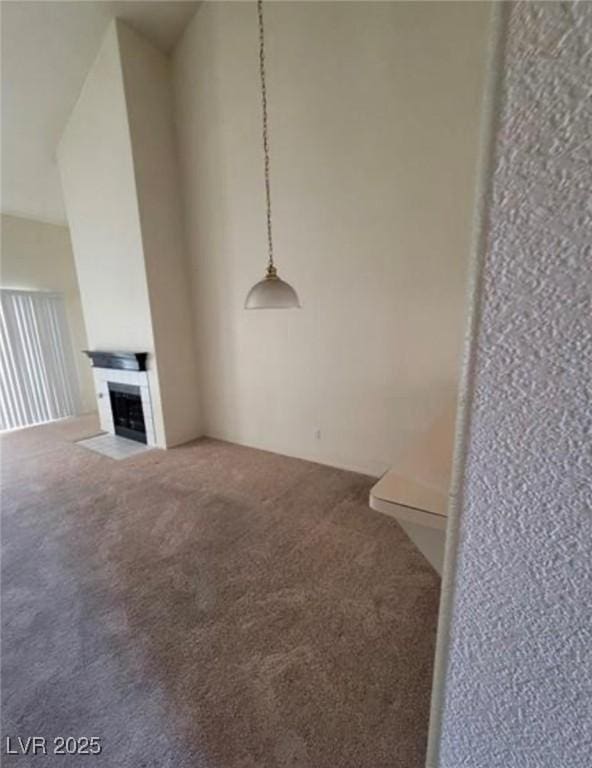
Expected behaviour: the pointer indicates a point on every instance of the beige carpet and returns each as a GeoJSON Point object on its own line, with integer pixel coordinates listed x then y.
{"type": "Point", "coordinates": [212, 606]}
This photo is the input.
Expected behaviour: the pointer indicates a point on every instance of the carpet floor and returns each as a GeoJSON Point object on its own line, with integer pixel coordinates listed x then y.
{"type": "Point", "coordinates": [211, 606]}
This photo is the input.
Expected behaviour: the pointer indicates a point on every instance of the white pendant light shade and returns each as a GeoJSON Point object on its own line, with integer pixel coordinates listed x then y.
{"type": "Point", "coordinates": [272, 293]}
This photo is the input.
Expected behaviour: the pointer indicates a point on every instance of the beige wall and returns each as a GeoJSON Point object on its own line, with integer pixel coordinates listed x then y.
{"type": "Point", "coordinates": [38, 257]}
{"type": "Point", "coordinates": [146, 74]}
{"type": "Point", "coordinates": [374, 114]}
{"type": "Point", "coordinates": [514, 660]}
{"type": "Point", "coordinates": [97, 173]}
{"type": "Point", "coordinates": [117, 163]}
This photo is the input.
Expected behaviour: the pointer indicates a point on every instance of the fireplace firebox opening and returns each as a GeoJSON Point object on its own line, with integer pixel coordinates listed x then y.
{"type": "Point", "coordinates": [128, 414]}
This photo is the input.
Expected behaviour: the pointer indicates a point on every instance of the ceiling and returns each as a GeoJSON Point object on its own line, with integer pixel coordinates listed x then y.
{"type": "Point", "coordinates": [47, 50]}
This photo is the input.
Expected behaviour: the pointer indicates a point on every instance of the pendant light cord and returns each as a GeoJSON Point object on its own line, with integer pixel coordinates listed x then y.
{"type": "Point", "coordinates": [270, 265]}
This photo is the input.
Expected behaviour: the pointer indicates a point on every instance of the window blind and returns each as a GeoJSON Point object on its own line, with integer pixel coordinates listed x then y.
{"type": "Point", "coordinates": [38, 378]}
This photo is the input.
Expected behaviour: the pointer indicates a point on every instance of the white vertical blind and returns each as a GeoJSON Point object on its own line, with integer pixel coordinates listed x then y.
{"type": "Point", "coordinates": [38, 380]}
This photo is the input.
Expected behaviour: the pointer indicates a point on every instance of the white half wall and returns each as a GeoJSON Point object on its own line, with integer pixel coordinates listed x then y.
{"type": "Point", "coordinates": [37, 256]}
{"type": "Point", "coordinates": [374, 119]}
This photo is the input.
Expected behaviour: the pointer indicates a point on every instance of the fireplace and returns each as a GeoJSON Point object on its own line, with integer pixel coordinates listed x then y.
{"type": "Point", "coordinates": [128, 414]}
{"type": "Point", "coordinates": [122, 382]}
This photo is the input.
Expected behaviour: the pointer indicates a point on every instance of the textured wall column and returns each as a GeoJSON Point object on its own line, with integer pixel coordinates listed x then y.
{"type": "Point", "coordinates": [517, 673]}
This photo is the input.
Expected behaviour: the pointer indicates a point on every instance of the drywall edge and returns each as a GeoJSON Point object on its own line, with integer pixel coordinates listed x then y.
{"type": "Point", "coordinates": [483, 191]}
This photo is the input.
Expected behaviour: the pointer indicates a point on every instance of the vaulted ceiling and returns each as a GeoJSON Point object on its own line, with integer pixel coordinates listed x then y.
{"type": "Point", "coordinates": [47, 50]}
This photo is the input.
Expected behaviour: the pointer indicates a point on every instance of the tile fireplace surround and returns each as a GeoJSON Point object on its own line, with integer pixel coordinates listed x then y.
{"type": "Point", "coordinates": [102, 377]}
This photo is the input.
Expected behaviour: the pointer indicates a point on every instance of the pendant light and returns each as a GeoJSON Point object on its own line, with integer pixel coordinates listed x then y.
{"type": "Point", "coordinates": [271, 292]}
